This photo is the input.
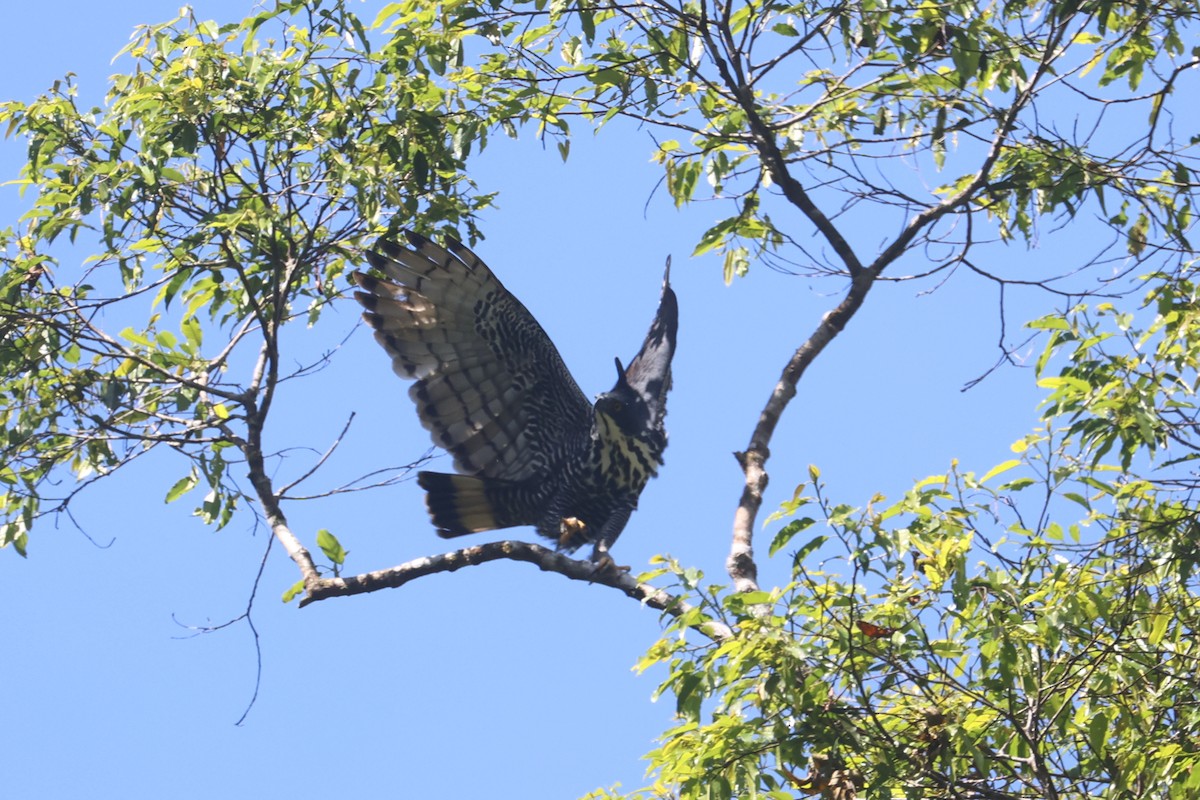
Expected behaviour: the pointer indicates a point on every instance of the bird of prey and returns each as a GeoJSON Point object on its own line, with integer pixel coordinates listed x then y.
{"type": "Point", "coordinates": [492, 390]}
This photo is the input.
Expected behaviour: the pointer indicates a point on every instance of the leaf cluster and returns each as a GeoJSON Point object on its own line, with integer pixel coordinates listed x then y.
{"type": "Point", "coordinates": [1029, 632]}
{"type": "Point", "coordinates": [832, 108]}
{"type": "Point", "coordinates": [173, 233]}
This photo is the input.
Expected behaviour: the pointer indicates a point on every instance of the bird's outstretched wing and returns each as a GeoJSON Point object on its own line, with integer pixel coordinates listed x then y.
{"type": "Point", "coordinates": [650, 371]}
{"type": "Point", "coordinates": [490, 385]}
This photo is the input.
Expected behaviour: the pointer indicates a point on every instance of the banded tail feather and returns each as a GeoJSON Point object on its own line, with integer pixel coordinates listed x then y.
{"type": "Point", "coordinates": [462, 504]}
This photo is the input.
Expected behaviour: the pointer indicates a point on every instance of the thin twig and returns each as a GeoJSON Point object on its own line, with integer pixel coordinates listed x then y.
{"type": "Point", "coordinates": [321, 461]}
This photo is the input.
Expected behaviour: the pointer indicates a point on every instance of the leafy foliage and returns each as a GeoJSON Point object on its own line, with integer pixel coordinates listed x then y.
{"type": "Point", "coordinates": [833, 109]}
{"type": "Point", "coordinates": [1028, 632]}
{"type": "Point", "coordinates": [232, 172]}
{"type": "Point", "coordinates": [976, 638]}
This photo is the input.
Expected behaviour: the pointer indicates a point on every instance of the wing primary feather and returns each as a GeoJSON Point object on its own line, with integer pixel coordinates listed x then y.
{"type": "Point", "coordinates": [650, 371]}
{"type": "Point", "coordinates": [490, 386]}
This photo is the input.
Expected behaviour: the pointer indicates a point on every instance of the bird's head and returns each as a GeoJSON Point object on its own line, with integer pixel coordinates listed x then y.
{"type": "Point", "coordinates": [625, 406]}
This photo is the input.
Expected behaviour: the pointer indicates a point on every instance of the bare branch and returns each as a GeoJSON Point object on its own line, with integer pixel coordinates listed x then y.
{"type": "Point", "coordinates": [197, 630]}
{"type": "Point", "coordinates": [544, 558]}
{"type": "Point", "coordinates": [252, 448]}
{"type": "Point", "coordinates": [740, 564]}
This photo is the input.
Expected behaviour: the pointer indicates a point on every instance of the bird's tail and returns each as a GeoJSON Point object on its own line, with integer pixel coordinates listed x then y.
{"type": "Point", "coordinates": [462, 504]}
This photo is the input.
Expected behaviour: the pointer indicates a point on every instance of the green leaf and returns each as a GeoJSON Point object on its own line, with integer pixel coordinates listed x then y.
{"type": "Point", "coordinates": [787, 532]}
{"type": "Point", "coordinates": [587, 23]}
{"type": "Point", "coordinates": [1138, 235]}
{"type": "Point", "coordinates": [1000, 468]}
{"type": "Point", "coordinates": [135, 337]}
{"type": "Point", "coordinates": [1158, 629]}
{"type": "Point", "coordinates": [736, 265]}
{"type": "Point", "coordinates": [331, 547]}
{"type": "Point", "coordinates": [938, 138]}
{"type": "Point", "coordinates": [182, 486]}
{"type": "Point", "coordinates": [294, 590]}
{"type": "Point", "coordinates": [810, 547]}
{"type": "Point", "coordinates": [193, 334]}
{"type": "Point", "coordinates": [1050, 323]}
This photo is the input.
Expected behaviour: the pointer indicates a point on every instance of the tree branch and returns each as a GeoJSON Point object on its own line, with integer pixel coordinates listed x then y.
{"type": "Point", "coordinates": [253, 450]}
{"type": "Point", "coordinates": [740, 564]}
{"type": "Point", "coordinates": [544, 558]}
{"type": "Point", "coordinates": [768, 148]}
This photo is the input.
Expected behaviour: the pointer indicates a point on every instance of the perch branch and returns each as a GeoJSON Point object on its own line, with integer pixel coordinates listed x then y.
{"type": "Point", "coordinates": [544, 558]}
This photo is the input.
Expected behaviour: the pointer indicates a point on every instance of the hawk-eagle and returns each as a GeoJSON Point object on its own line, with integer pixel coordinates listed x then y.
{"type": "Point", "coordinates": [493, 391]}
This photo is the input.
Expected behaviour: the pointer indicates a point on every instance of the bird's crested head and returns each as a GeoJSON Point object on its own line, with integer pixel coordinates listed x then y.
{"type": "Point", "coordinates": [625, 406]}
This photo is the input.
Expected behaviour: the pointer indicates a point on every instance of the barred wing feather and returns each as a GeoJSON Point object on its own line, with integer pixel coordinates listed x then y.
{"type": "Point", "coordinates": [490, 385]}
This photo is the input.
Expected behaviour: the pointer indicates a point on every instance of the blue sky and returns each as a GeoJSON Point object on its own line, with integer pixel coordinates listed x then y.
{"type": "Point", "coordinates": [498, 681]}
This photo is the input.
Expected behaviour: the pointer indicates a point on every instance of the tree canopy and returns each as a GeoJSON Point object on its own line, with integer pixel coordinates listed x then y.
{"type": "Point", "coordinates": [1018, 630]}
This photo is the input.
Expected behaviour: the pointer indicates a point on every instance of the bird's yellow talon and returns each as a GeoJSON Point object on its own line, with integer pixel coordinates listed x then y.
{"type": "Point", "coordinates": [572, 530]}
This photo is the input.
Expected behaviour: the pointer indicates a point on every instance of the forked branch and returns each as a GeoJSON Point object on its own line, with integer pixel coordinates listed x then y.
{"type": "Point", "coordinates": [740, 564]}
